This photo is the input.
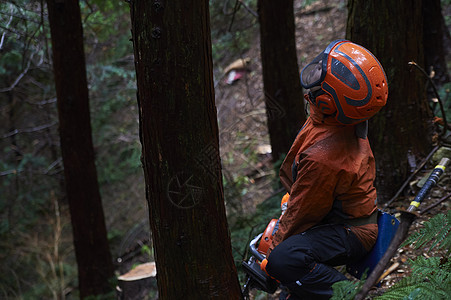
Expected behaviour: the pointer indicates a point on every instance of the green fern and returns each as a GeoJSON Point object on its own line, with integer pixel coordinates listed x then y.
{"type": "Point", "coordinates": [346, 290]}
{"type": "Point", "coordinates": [436, 266]}
{"type": "Point", "coordinates": [412, 287]}
{"type": "Point", "coordinates": [430, 277]}
{"type": "Point", "coordinates": [437, 230]}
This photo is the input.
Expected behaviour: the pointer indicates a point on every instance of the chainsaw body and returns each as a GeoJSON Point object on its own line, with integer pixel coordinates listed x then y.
{"type": "Point", "coordinates": [256, 277]}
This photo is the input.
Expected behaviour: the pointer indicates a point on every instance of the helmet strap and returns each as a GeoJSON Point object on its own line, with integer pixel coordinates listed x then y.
{"type": "Point", "coordinates": [313, 94]}
{"type": "Point", "coordinates": [361, 129]}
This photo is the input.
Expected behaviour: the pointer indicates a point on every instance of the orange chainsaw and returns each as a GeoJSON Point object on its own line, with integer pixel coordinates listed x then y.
{"type": "Point", "coordinates": [254, 267]}
{"type": "Point", "coordinates": [256, 277]}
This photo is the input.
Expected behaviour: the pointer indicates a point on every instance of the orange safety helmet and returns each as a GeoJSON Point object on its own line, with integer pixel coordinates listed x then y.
{"type": "Point", "coordinates": [346, 81]}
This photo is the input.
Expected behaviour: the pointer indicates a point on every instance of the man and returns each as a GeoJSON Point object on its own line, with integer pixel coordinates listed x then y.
{"type": "Point", "coordinates": [331, 215]}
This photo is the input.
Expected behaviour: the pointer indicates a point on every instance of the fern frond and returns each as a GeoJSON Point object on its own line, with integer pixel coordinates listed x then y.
{"type": "Point", "coordinates": [436, 229]}
{"type": "Point", "coordinates": [410, 288]}
{"type": "Point", "coordinates": [346, 290]}
{"type": "Point", "coordinates": [413, 295]}
{"type": "Point", "coordinates": [425, 266]}
{"type": "Point", "coordinates": [430, 277]}
{"type": "Point", "coordinates": [401, 289]}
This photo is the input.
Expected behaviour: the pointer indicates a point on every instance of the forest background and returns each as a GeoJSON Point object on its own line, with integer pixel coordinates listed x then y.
{"type": "Point", "coordinates": [37, 256]}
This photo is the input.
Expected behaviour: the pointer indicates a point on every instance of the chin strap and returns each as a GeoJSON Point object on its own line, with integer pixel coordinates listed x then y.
{"type": "Point", "coordinates": [361, 129]}
{"type": "Point", "coordinates": [311, 96]}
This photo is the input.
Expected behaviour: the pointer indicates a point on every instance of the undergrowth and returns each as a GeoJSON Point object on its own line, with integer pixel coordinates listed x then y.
{"type": "Point", "coordinates": [430, 277]}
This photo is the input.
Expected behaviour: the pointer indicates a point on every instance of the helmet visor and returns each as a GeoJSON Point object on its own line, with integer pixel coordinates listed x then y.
{"type": "Point", "coordinates": [313, 74]}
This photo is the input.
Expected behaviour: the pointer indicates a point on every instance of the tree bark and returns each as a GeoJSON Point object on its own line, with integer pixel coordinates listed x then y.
{"type": "Point", "coordinates": [392, 30]}
{"type": "Point", "coordinates": [435, 33]}
{"type": "Point", "coordinates": [282, 87]}
{"type": "Point", "coordinates": [180, 142]}
{"type": "Point", "coordinates": [95, 267]}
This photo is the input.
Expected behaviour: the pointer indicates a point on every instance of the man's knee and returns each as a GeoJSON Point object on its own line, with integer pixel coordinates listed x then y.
{"type": "Point", "coordinates": [287, 263]}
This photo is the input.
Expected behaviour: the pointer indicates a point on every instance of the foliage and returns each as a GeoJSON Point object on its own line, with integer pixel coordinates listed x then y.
{"type": "Point", "coordinates": [435, 230]}
{"type": "Point", "coordinates": [233, 28]}
{"type": "Point", "coordinates": [245, 227]}
{"type": "Point", "coordinates": [107, 30]}
{"type": "Point", "coordinates": [36, 257]}
{"type": "Point", "coordinates": [346, 290]}
{"type": "Point", "coordinates": [430, 277]}
{"type": "Point", "coordinates": [28, 157]}
{"type": "Point", "coordinates": [443, 93]}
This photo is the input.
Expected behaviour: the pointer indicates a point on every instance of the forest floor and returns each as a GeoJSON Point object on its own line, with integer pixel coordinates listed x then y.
{"type": "Point", "coordinates": [244, 141]}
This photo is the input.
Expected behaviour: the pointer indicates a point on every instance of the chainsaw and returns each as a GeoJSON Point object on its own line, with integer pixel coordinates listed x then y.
{"type": "Point", "coordinates": [256, 277]}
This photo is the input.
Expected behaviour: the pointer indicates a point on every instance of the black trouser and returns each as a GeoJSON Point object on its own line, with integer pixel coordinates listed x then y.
{"type": "Point", "coordinates": [304, 262]}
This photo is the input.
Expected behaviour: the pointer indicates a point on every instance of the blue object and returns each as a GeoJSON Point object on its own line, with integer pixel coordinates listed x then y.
{"type": "Point", "coordinates": [387, 226]}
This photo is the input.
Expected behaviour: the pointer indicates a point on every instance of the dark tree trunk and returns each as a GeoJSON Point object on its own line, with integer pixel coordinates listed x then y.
{"type": "Point", "coordinates": [94, 260]}
{"type": "Point", "coordinates": [179, 136]}
{"type": "Point", "coordinates": [392, 30]}
{"type": "Point", "coordinates": [434, 35]}
{"type": "Point", "coordinates": [282, 87]}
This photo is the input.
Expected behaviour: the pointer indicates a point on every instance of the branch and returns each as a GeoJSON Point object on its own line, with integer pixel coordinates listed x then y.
{"type": "Point", "coordinates": [43, 102]}
{"type": "Point", "coordinates": [238, 3]}
{"type": "Point", "coordinates": [252, 12]}
{"type": "Point", "coordinates": [435, 204]}
{"type": "Point", "coordinates": [21, 75]}
{"type": "Point", "coordinates": [442, 109]}
{"type": "Point", "coordinates": [21, 17]}
{"type": "Point", "coordinates": [411, 176]}
{"type": "Point", "coordinates": [6, 28]}
{"type": "Point", "coordinates": [235, 9]}
{"type": "Point", "coordinates": [28, 130]}
{"type": "Point", "coordinates": [14, 171]}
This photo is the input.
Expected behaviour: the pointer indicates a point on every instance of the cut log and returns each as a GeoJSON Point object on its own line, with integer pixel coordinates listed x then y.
{"type": "Point", "coordinates": [138, 283]}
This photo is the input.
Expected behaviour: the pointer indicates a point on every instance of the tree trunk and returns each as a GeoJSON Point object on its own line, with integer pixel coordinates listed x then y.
{"type": "Point", "coordinates": [95, 267]}
{"type": "Point", "coordinates": [282, 86]}
{"type": "Point", "coordinates": [435, 33]}
{"type": "Point", "coordinates": [392, 30]}
{"type": "Point", "coordinates": [179, 137]}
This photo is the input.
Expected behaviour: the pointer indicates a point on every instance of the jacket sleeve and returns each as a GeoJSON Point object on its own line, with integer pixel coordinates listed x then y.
{"type": "Point", "coordinates": [311, 198]}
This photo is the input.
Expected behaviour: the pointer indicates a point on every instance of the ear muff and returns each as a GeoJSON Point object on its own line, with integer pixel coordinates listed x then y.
{"type": "Point", "coordinates": [326, 104]}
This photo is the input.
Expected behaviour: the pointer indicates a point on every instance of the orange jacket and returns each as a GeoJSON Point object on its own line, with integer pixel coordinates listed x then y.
{"type": "Point", "coordinates": [334, 172]}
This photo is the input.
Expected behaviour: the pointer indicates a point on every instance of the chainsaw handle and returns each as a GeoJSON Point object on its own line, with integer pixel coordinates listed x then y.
{"type": "Point", "coordinates": [253, 248]}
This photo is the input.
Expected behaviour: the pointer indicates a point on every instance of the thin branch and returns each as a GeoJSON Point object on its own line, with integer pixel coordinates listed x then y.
{"type": "Point", "coordinates": [238, 3]}
{"type": "Point", "coordinates": [411, 176]}
{"type": "Point", "coordinates": [7, 25]}
{"type": "Point", "coordinates": [21, 17]}
{"type": "Point", "coordinates": [21, 75]}
{"type": "Point", "coordinates": [224, 8]}
{"type": "Point", "coordinates": [9, 172]}
{"type": "Point", "coordinates": [252, 12]}
{"type": "Point", "coordinates": [43, 102]}
{"type": "Point", "coordinates": [28, 130]}
{"type": "Point", "coordinates": [52, 165]}
{"type": "Point", "coordinates": [435, 204]}
{"type": "Point", "coordinates": [442, 109]}
{"type": "Point", "coordinates": [235, 10]}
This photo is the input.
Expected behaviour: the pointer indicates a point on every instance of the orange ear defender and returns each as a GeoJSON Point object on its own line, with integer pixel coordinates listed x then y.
{"type": "Point", "coordinates": [323, 101]}
{"type": "Point", "coordinates": [326, 104]}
